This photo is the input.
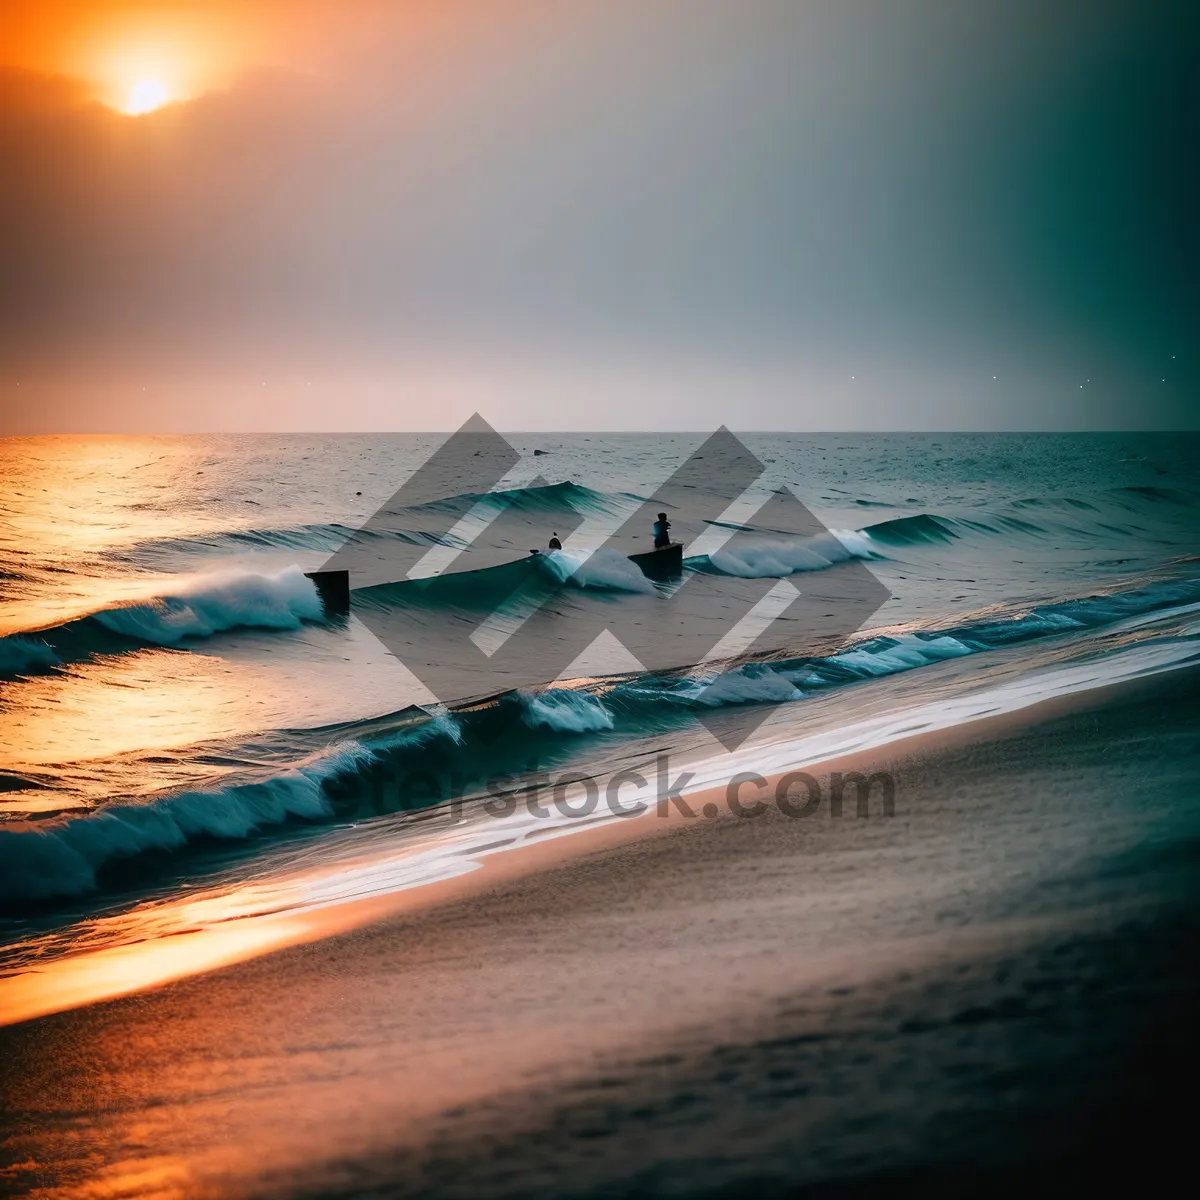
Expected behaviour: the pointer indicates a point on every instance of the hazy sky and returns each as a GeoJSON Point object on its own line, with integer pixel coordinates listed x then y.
{"type": "Point", "coordinates": [600, 214]}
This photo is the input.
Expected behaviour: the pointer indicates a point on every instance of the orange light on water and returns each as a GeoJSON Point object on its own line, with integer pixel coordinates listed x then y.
{"type": "Point", "coordinates": [68, 982]}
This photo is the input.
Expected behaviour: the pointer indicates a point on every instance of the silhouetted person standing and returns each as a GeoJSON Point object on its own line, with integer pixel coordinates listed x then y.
{"type": "Point", "coordinates": [662, 532]}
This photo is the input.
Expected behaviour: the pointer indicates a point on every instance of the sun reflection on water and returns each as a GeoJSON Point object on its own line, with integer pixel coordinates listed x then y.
{"type": "Point", "coordinates": [155, 700]}
{"type": "Point", "coordinates": [74, 511]}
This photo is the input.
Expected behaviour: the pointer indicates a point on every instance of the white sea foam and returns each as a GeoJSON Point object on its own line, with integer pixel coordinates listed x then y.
{"type": "Point", "coordinates": [211, 603]}
{"type": "Point", "coordinates": [907, 652]}
{"type": "Point", "coordinates": [764, 558]}
{"type": "Point", "coordinates": [745, 685]}
{"type": "Point", "coordinates": [565, 711]}
{"type": "Point", "coordinates": [61, 858]}
{"type": "Point", "coordinates": [596, 569]}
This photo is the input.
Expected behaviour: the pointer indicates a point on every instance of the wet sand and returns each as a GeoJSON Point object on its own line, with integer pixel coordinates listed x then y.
{"type": "Point", "coordinates": [976, 991]}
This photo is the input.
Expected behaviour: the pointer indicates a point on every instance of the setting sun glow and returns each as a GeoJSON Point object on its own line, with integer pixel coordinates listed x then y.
{"type": "Point", "coordinates": [145, 96]}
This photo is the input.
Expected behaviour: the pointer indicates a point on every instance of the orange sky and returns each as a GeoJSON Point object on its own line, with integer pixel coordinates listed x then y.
{"type": "Point", "coordinates": [193, 46]}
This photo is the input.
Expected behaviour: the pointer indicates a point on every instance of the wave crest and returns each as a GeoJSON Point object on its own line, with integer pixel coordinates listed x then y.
{"type": "Point", "coordinates": [19, 655]}
{"type": "Point", "coordinates": [200, 606]}
{"type": "Point", "coordinates": [60, 858]}
{"type": "Point", "coordinates": [565, 711]}
{"type": "Point", "coordinates": [217, 602]}
{"type": "Point", "coordinates": [765, 558]}
{"type": "Point", "coordinates": [603, 569]}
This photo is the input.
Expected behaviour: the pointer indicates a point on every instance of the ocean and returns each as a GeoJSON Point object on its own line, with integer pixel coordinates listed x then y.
{"type": "Point", "coordinates": [188, 742]}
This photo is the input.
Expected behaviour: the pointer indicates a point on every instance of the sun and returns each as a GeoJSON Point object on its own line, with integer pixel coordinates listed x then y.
{"type": "Point", "coordinates": [145, 96]}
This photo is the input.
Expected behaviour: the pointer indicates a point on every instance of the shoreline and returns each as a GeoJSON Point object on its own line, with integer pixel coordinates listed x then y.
{"type": "Point", "coordinates": [129, 969]}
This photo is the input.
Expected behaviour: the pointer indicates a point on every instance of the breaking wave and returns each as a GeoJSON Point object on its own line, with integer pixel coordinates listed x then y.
{"type": "Point", "coordinates": [218, 602]}
{"type": "Point", "coordinates": [199, 607]}
{"type": "Point", "coordinates": [604, 569]}
{"type": "Point", "coordinates": [44, 860]}
{"type": "Point", "coordinates": [565, 711]}
{"type": "Point", "coordinates": [19, 655]}
{"type": "Point", "coordinates": [363, 769]}
{"type": "Point", "coordinates": [768, 557]}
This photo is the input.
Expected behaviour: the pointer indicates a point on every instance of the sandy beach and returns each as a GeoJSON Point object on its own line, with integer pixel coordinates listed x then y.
{"type": "Point", "coordinates": [700, 1005]}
